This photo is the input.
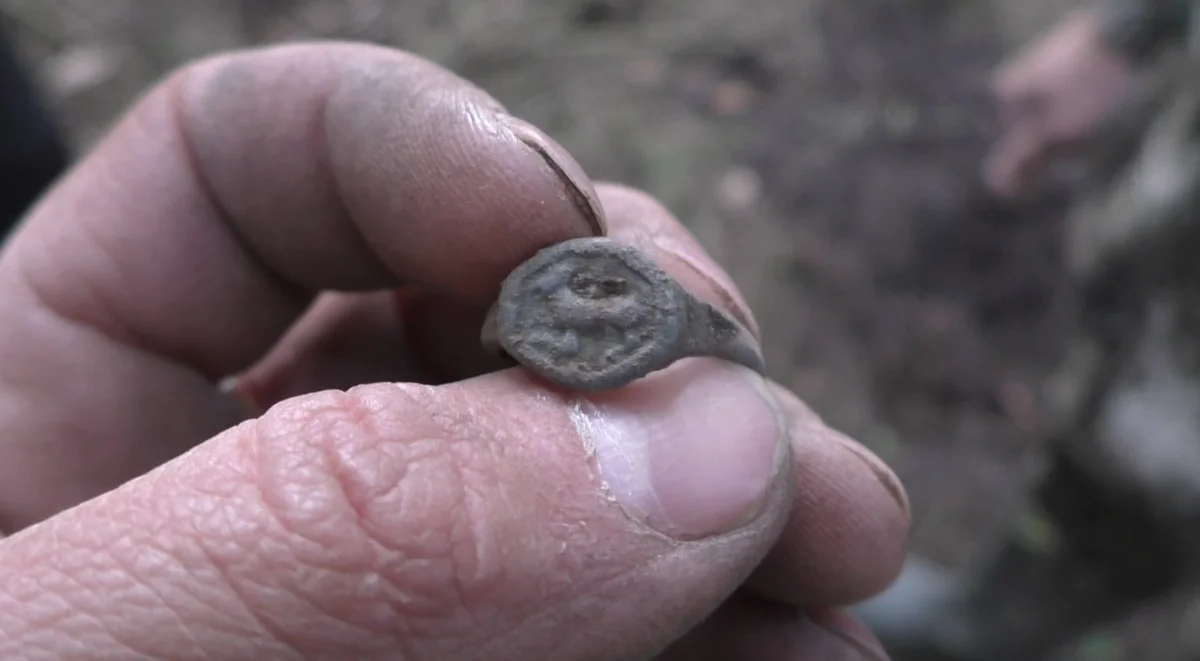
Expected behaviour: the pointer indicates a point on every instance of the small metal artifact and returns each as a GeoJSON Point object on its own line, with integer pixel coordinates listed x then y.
{"type": "Point", "coordinates": [595, 314]}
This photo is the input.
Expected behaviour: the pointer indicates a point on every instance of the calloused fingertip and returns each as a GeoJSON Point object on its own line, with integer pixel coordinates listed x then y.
{"type": "Point", "coordinates": [887, 478]}
{"type": "Point", "coordinates": [575, 181]}
{"type": "Point", "coordinates": [845, 539]}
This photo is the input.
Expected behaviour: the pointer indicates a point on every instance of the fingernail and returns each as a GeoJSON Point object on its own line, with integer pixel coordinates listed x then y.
{"type": "Point", "coordinates": [692, 451]}
{"type": "Point", "coordinates": [835, 636]}
{"type": "Point", "coordinates": [890, 482]}
{"type": "Point", "coordinates": [577, 185]}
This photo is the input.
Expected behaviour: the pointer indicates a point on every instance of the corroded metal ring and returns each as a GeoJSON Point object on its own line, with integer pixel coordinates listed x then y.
{"type": "Point", "coordinates": [595, 314]}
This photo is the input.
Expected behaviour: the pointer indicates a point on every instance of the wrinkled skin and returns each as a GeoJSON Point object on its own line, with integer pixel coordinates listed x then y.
{"type": "Point", "coordinates": [329, 222]}
{"type": "Point", "coordinates": [1051, 98]}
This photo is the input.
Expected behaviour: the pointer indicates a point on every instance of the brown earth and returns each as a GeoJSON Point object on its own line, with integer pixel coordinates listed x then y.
{"type": "Point", "coordinates": [826, 151]}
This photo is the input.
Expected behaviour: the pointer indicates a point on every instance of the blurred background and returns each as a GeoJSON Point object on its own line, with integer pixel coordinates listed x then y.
{"type": "Point", "coordinates": [825, 151]}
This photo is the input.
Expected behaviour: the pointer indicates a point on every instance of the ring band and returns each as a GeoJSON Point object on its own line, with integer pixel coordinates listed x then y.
{"type": "Point", "coordinates": [594, 314]}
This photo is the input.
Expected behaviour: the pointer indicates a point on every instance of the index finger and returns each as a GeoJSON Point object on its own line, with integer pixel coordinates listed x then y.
{"type": "Point", "coordinates": [189, 240]}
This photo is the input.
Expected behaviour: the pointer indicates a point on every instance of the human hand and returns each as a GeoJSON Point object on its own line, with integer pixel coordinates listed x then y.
{"type": "Point", "coordinates": [318, 216]}
{"type": "Point", "coordinates": [1051, 97]}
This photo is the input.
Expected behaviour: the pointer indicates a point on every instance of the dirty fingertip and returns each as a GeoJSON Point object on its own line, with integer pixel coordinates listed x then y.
{"type": "Point", "coordinates": [808, 427]}
{"type": "Point", "coordinates": [578, 187]}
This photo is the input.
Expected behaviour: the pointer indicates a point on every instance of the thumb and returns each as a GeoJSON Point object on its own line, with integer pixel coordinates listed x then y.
{"type": "Point", "coordinates": [488, 519]}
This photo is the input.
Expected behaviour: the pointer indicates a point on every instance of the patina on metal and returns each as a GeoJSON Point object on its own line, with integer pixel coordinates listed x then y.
{"type": "Point", "coordinates": [595, 314]}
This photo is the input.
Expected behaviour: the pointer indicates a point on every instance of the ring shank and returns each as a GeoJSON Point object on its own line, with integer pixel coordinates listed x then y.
{"type": "Point", "coordinates": [711, 332]}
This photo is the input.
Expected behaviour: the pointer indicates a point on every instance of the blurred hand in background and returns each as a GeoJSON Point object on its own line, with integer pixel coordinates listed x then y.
{"type": "Point", "coordinates": [1051, 97]}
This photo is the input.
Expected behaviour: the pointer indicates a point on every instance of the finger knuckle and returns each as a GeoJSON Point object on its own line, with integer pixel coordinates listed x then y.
{"type": "Point", "coordinates": [373, 483]}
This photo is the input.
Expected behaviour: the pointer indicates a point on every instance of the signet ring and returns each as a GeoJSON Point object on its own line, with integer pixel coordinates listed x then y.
{"type": "Point", "coordinates": [595, 314]}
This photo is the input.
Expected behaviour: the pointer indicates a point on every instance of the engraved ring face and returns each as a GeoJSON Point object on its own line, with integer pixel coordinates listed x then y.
{"type": "Point", "coordinates": [590, 314]}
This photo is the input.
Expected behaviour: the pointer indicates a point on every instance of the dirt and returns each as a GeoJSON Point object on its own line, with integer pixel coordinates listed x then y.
{"type": "Point", "coordinates": [825, 151]}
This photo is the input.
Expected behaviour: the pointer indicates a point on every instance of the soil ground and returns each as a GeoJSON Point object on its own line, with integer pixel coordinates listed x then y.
{"type": "Point", "coordinates": [825, 151]}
